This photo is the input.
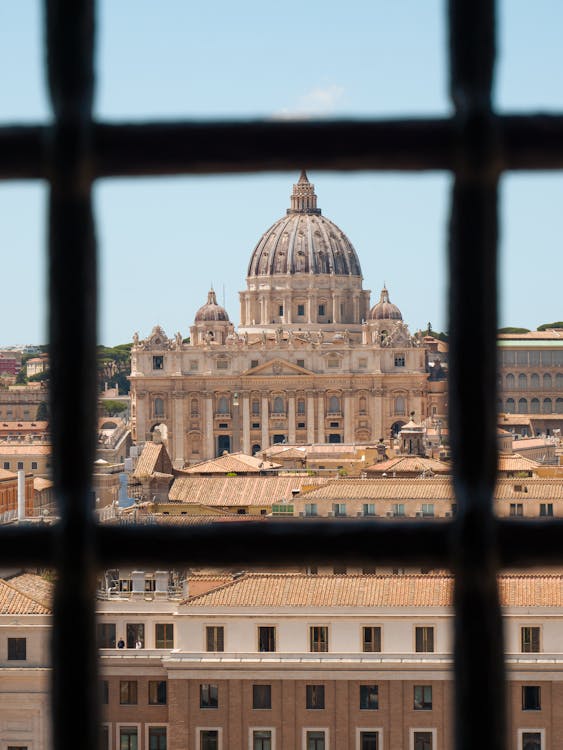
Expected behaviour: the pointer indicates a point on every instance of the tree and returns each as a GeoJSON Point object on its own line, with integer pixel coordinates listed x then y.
{"type": "Point", "coordinates": [113, 408]}
{"type": "Point", "coordinates": [21, 377]}
{"type": "Point", "coordinates": [512, 329]}
{"type": "Point", "coordinates": [547, 326]}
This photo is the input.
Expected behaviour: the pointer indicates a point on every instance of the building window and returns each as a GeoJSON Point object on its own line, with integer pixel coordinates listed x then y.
{"type": "Point", "coordinates": [20, 464]}
{"type": "Point", "coordinates": [371, 638]}
{"type": "Point", "coordinates": [531, 741]}
{"type": "Point", "coordinates": [362, 363]}
{"type": "Point", "coordinates": [222, 364]}
{"type": "Point", "coordinates": [253, 363]}
{"type": "Point", "coordinates": [106, 634]}
{"type": "Point", "coordinates": [428, 510]}
{"type": "Point", "coordinates": [422, 740]}
{"type": "Point", "coordinates": [279, 406]}
{"type": "Point", "coordinates": [339, 509]}
{"type": "Point", "coordinates": [315, 696]}
{"type": "Point", "coordinates": [208, 696]}
{"type": "Point", "coordinates": [223, 405]}
{"type": "Point", "coordinates": [34, 465]}
{"type": "Point", "coordinates": [369, 741]}
{"type": "Point", "coordinates": [262, 739]}
{"type": "Point", "coordinates": [422, 697]}
{"type": "Point", "coordinates": [266, 638]}
{"type": "Point", "coordinates": [301, 404]}
{"type": "Point", "coordinates": [531, 698]}
{"type": "Point", "coordinates": [128, 738]}
{"type": "Point", "coordinates": [424, 639]}
{"type": "Point", "coordinates": [530, 639]}
{"type": "Point", "coordinates": [261, 696]}
{"type": "Point", "coordinates": [333, 363]}
{"type": "Point", "coordinates": [104, 692]}
{"type": "Point", "coordinates": [334, 405]}
{"type": "Point", "coordinates": [399, 360]}
{"type": "Point", "coordinates": [157, 692]}
{"type": "Point", "coordinates": [546, 509]}
{"type": "Point", "coordinates": [255, 425]}
{"type": "Point", "coordinates": [318, 638]}
{"type": "Point", "coordinates": [315, 740]}
{"type": "Point", "coordinates": [399, 509]}
{"type": "Point", "coordinates": [135, 635]}
{"type": "Point", "coordinates": [311, 509]}
{"type": "Point", "coordinates": [128, 692]}
{"type": "Point", "coordinates": [369, 509]}
{"type": "Point", "coordinates": [158, 363]}
{"type": "Point", "coordinates": [300, 310]}
{"type": "Point", "coordinates": [209, 739]}
{"type": "Point", "coordinates": [369, 697]}
{"type": "Point", "coordinates": [194, 365]}
{"type": "Point", "coordinates": [17, 649]}
{"type": "Point", "coordinates": [280, 310]}
{"type": "Point", "coordinates": [158, 407]}
{"type": "Point", "coordinates": [516, 509]}
{"type": "Point", "coordinates": [255, 406]}
{"type": "Point", "coordinates": [157, 738]}
{"type": "Point", "coordinates": [321, 311]}
{"type": "Point", "coordinates": [7, 465]}
{"type": "Point", "coordinates": [215, 638]}
{"type": "Point", "coordinates": [164, 635]}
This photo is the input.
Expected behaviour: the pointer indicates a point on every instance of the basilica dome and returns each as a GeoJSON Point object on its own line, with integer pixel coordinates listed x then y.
{"type": "Point", "coordinates": [385, 309]}
{"type": "Point", "coordinates": [304, 241]}
{"type": "Point", "coordinates": [211, 311]}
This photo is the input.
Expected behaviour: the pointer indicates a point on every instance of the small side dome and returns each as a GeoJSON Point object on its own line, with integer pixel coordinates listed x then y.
{"type": "Point", "coordinates": [385, 309]}
{"type": "Point", "coordinates": [211, 311]}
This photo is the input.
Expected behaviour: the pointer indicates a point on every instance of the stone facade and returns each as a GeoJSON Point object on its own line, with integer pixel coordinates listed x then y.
{"type": "Point", "coordinates": [310, 363]}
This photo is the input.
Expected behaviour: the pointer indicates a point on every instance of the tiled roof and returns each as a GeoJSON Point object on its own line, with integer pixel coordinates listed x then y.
{"type": "Point", "coordinates": [153, 458]}
{"type": "Point", "coordinates": [5, 475]}
{"type": "Point", "coordinates": [25, 449]}
{"type": "Point", "coordinates": [516, 462]}
{"type": "Point", "coordinates": [551, 333]}
{"type": "Point", "coordinates": [40, 484]}
{"type": "Point", "coordinates": [304, 591]}
{"type": "Point", "coordinates": [26, 594]}
{"type": "Point", "coordinates": [232, 462]}
{"type": "Point", "coordinates": [411, 464]}
{"type": "Point", "coordinates": [238, 491]}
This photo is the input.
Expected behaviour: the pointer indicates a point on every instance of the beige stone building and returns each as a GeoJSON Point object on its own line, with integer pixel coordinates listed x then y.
{"type": "Point", "coordinates": [311, 362]}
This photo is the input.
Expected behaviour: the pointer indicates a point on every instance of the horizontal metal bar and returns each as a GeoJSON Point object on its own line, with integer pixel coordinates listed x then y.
{"type": "Point", "coordinates": [528, 142]}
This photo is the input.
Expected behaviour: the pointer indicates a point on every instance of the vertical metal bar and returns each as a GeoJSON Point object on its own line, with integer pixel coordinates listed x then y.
{"type": "Point", "coordinates": [478, 649]}
{"type": "Point", "coordinates": [72, 342]}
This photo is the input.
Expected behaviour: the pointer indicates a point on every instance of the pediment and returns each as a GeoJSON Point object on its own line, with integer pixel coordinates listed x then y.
{"type": "Point", "coordinates": [277, 367]}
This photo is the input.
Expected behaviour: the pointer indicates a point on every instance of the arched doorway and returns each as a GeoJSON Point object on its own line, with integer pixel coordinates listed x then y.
{"type": "Point", "coordinates": [396, 427]}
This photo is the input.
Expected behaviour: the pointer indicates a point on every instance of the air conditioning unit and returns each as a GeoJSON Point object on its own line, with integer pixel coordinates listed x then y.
{"type": "Point", "coordinates": [419, 514]}
{"type": "Point", "coordinates": [390, 513]}
{"type": "Point", "coordinates": [330, 514]}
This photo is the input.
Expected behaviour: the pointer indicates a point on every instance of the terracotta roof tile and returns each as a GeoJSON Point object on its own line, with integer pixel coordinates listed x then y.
{"type": "Point", "coordinates": [232, 462]}
{"type": "Point", "coordinates": [411, 464]}
{"type": "Point", "coordinates": [238, 491]}
{"type": "Point", "coordinates": [25, 595]}
{"type": "Point", "coordinates": [153, 458]}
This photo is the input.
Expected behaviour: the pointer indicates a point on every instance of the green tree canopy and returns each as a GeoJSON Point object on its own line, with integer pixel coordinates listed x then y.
{"type": "Point", "coordinates": [547, 326]}
{"type": "Point", "coordinates": [513, 329]}
{"type": "Point", "coordinates": [113, 408]}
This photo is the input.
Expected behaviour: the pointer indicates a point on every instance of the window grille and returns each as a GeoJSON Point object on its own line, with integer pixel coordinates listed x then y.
{"type": "Point", "coordinates": [476, 145]}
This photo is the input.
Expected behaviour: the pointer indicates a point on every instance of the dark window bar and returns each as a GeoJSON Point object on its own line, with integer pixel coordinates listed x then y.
{"type": "Point", "coordinates": [476, 145]}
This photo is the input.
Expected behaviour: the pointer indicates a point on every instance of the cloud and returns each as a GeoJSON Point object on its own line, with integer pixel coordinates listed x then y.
{"type": "Point", "coordinates": [319, 102]}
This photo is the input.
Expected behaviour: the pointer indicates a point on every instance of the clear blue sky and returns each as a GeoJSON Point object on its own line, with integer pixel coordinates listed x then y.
{"type": "Point", "coordinates": [164, 241]}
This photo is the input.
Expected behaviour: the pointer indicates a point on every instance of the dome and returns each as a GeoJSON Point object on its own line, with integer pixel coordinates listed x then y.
{"type": "Point", "coordinates": [304, 241]}
{"type": "Point", "coordinates": [385, 309]}
{"type": "Point", "coordinates": [211, 311]}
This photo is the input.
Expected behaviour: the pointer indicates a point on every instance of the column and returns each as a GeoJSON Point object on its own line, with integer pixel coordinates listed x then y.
{"type": "Point", "coordinates": [377, 408]}
{"type": "Point", "coordinates": [335, 310]}
{"type": "Point", "coordinates": [178, 457]}
{"type": "Point", "coordinates": [208, 437]}
{"type": "Point", "coordinates": [356, 309]}
{"type": "Point", "coordinates": [310, 417]}
{"type": "Point", "coordinates": [291, 418]}
{"type": "Point", "coordinates": [348, 417]}
{"type": "Point", "coordinates": [321, 419]}
{"type": "Point", "coordinates": [265, 421]}
{"type": "Point", "coordinates": [246, 423]}
{"type": "Point", "coordinates": [287, 303]}
{"type": "Point", "coordinates": [141, 402]}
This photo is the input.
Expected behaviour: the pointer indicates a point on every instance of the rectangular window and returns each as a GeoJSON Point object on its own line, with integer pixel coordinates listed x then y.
{"type": "Point", "coordinates": [128, 738]}
{"type": "Point", "coordinates": [369, 697]}
{"type": "Point", "coordinates": [256, 425]}
{"type": "Point", "coordinates": [253, 363]}
{"type": "Point", "coordinates": [208, 696]}
{"type": "Point", "coordinates": [135, 635]}
{"type": "Point", "coordinates": [321, 310]}
{"type": "Point", "coordinates": [280, 310]}
{"type": "Point", "coordinates": [157, 738]}
{"type": "Point", "coordinates": [399, 360]}
{"type": "Point", "coordinates": [300, 310]}
{"type": "Point", "coordinates": [371, 638]}
{"type": "Point", "coordinates": [164, 635]}
{"type": "Point", "coordinates": [158, 363]}
{"type": "Point", "coordinates": [6, 465]}
{"type": "Point", "coordinates": [103, 739]}
{"type": "Point", "coordinates": [333, 363]}
{"type": "Point", "coordinates": [261, 696]}
{"type": "Point", "coordinates": [194, 365]}
{"type": "Point", "coordinates": [318, 638]}
{"type": "Point", "coordinates": [530, 639]}
{"type": "Point", "coordinates": [516, 509]}
{"type": "Point", "coordinates": [17, 649]}
{"type": "Point", "coordinates": [215, 638]}
{"type": "Point", "coordinates": [339, 509]}
{"type": "Point", "coordinates": [311, 509]}
{"type": "Point", "coordinates": [531, 741]}
{"type": "Point", "coordinates": [261, 739]}
{"type": "Point", "coordinates": [546, 509]}
{"type": "Point", "coordinates": [315, 740]}
{"type": "Point", "coordinates": [428, 510]}
{"type": "Point", "coordinates": [362, 363]}
{"type": "Point", "coordinates": [424, 638]}
{"type": "Point", "coordinates": [422, 698]}
{"type": "Point", "coordinates": [422, 741]}
{"type": "Point", "coordinates": [106, 634]}
{"type": "Point", "coordinates": [369, 509]}
{"type": "Point", "coordinates": [531, 698]}
{"type": "Point", "coordinates": [128, 692]}
{"type": "Point", "coordinates": [368, 741]}
{"type": "Point", "coordinates": [266, 638]}
{"type": "Point", "coordinates": [34, 464]}
{"type": "Point", "coordinates": [157, 692]}
{"type": "Point", "coordinates": [301, 363]}
{"type": "Point", "coordinates": [222, 364]}
{"type": "Point", "coordinates": [399, 509]}
{"type": "Point", "coordinates": [315, 696]}
{"type": "Point", "coordinates": [20, 464]}
{"type": "Point", "coordinates": [209, 739]}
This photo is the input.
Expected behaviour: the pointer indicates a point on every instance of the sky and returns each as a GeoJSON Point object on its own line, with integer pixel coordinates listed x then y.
{"type": "Point", "coordinates": [164, 241]}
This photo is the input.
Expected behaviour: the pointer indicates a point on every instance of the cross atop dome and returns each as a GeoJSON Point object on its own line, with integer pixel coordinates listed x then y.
{"type": "Point", "coordinates": [303, 198]}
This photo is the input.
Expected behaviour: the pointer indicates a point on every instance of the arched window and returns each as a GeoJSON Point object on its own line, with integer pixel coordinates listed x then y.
{"type": "Point", "coordinates": [334, 405]}
{"type": "Point", "coordinates": [523, 406]}
{"type": "Point", "coordinates": [535, 381]}
{"type": "Point", "coordinates": [510, 407]}
{"type": "Point", "coordinates": [158, 407]}
{"type": "Point", "coordinates": [535, 406]}
{"type": "Point", "coordinates": [547, 406]}
{"type": "Point", "coordinates": [363, 405]}
{"type": "Point", "coordinates": [399, 405]}
{"type": "Point", "coordinates": [522, 382]}
{"type": "Point", "coordinates": [279, 407]}
{"type": "Point", "coordinates": [499, 405]}
{"type": "Point", "coordinates": [547, 381]}
{"type": "Point", "coordinates": [510, 382]}
{"type": "Point", "coordinates": [223, 405]}
{"type": "Point", "coordinates": [301, 406]}
{"type": "Point", "coordinates": [194, 407]}
{"type": "Point", "coordinates": [255, 407]}
{"type": "Point", "coordinates": [255, 449]}
{"type": "Point", "coordinates": [559, 406]}
{"type": "Point", "coordinates": [559, 381]}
